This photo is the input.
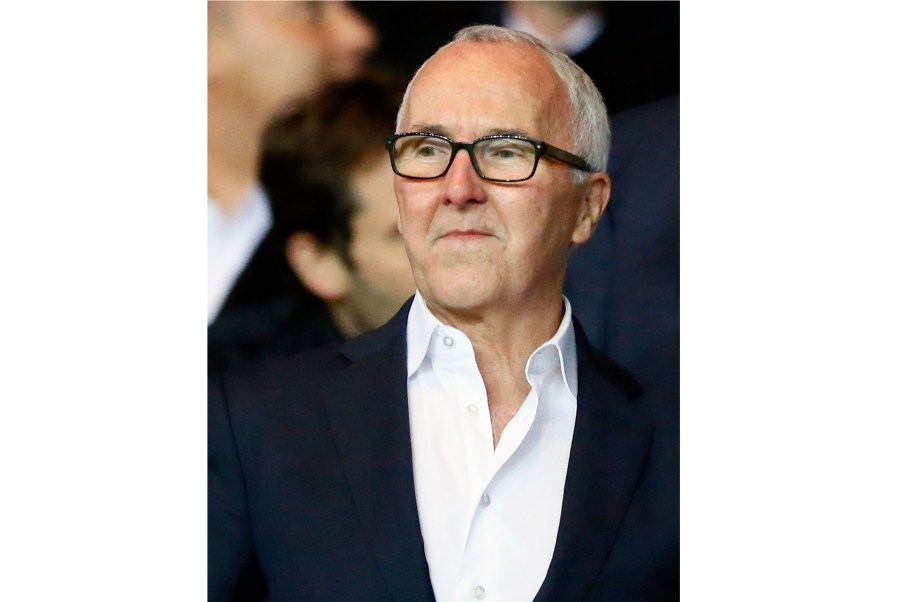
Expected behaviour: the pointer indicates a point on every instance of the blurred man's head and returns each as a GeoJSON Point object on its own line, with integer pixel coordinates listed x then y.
{"type": "Point", "coordinates": [264, 55]}
{"type": "Point", "coordinates": [333, 200]}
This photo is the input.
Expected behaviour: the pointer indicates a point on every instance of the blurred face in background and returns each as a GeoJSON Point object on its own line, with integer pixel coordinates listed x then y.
{"type": "Point", "coordinates": [273, 53]}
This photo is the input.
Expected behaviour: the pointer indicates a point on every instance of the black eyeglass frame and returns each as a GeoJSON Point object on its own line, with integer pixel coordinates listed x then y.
{"type": "Point", "coordinates": [540, 148]}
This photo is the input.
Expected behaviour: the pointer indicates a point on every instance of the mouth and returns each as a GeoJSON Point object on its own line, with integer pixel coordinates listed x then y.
{"type": "Point", "coordinates": [465, 235]}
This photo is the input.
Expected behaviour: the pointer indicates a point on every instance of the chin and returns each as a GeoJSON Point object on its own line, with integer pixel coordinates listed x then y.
{"type": "Point", "coordinates": [463, 290]}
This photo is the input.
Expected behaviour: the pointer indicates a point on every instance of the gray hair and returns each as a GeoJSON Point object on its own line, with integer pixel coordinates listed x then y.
{"type": "Point", "coordinates": [590, 125]}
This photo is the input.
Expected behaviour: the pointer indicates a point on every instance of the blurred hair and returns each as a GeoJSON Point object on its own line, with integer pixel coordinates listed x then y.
{"type": "Point", "coordinates": [309, 153]}
{"type": "Point", "coordinates": [590, 125]}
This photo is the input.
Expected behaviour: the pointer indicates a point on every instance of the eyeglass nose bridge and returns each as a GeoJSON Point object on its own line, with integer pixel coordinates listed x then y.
{"type": "Point", "coordinates": [469, 147]}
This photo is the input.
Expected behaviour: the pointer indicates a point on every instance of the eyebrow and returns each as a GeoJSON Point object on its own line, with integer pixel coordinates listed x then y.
{"type": "Point", "coordinates": [433, 128]}
{"type": "Point", "coordinates": [507, 132]}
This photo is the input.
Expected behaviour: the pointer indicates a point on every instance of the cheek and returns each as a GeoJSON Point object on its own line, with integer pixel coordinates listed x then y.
{"type": "Point", "coordinates": [546, 227]}
{"type": "Point", "coordinates": [415, 215]}
{"type": "Point", "coordinates": [535, 218]}
{"type": "Point", "coordinates": [401, 194]}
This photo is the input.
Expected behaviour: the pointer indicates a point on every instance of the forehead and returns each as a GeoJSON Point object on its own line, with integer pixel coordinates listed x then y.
{"type": "Point", "coordinates": [482, 86]}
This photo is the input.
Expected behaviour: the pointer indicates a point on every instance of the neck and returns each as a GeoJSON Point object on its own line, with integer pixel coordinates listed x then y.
{"type": "Point", "coordinates": [348, 324]}
{"type": "Point", "coordinates": [233, 152]}
{"type": "Point", "coordinates": [510, 328]}
{"type": "Point", "coordinates": [503, 340]}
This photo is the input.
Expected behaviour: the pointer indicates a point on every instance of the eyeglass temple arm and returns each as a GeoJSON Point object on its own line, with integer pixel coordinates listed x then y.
{"type": "Point", "coordinates": [566, 157]}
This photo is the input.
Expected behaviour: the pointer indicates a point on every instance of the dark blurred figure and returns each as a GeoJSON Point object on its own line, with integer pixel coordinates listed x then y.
{"type": "Point", "coordinates": [624, 281]}
{"type": "Point", "coordinates": [263, 57]}
{"type": "Point", "coordinates": [630, 49]}
{"type": "Point", "coordinates": [326, 172]}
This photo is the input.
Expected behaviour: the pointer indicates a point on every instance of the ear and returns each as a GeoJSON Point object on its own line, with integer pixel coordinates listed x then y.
{"type": "Point", "coordinates": [318, 267]}
{"type": "Point", "coordinates": [595, 197]}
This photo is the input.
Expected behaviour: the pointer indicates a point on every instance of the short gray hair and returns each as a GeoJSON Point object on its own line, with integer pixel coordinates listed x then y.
{"type": "Point", "coordinates": [590, 126]}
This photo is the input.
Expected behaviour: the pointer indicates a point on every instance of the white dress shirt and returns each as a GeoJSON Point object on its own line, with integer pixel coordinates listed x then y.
{"type": "Point", "coordinates": [489, 517]}
{"type": "Point", "coordinates": [231, 241]}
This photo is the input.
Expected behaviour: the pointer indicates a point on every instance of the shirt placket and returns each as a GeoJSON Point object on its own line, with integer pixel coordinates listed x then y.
{"type": "Point", "coordinates": [482, 551]}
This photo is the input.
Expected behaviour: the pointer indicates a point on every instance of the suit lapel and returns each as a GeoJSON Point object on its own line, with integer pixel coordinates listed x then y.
{"type": "Point", "coordinates": [368, 411]}
{"type": "Point", "coordinates": [609, 445]}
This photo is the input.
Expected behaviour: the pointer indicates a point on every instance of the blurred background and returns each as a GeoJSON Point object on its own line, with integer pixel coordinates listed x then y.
{"type": "Point", "coordinates": [302, 242]}
{"type": "Point", "coordinates": [629, 48]}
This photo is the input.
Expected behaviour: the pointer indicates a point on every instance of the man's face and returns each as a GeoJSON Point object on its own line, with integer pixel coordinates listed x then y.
{"type": "Point", "coordinates": [381, 279]}
{"type": "Point", "coordinates": [475, 244]}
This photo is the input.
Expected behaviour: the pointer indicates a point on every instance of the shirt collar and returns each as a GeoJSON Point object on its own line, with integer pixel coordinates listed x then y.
{"type": "Point", "coordinates": [231, 240]}
{"type": "Point", "coordinates": [559, 349]}
{"type": "Point", "coordinates": [252, 215]}
{"type": "Point", "coordinates": [420, 325]}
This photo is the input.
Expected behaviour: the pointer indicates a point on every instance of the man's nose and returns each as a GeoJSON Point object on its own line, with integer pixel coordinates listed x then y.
{"type": "Point", "coordinates": [462, 184]}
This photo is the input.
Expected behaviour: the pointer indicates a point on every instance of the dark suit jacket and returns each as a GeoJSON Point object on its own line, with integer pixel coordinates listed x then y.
{"type": "Point", "coordinates": [280, 327]}
{"type": "Point", "coordinates": [267, 313]}
{"type": "Point", "coordinates": [311, 493]}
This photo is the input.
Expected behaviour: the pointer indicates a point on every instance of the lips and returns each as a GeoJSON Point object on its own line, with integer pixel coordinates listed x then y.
{"type": "Point", "coordinates": [464, 234]}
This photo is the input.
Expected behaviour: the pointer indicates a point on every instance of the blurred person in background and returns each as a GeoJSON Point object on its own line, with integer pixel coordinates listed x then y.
{"type": "Point", "coordinates": [335, 219]}
{"type": "Point", "coordinates": [630, 49]}
{"type": "Point", "coordinates": [262, 58]}
{"type": "Point", "coordinates": [624, 282]}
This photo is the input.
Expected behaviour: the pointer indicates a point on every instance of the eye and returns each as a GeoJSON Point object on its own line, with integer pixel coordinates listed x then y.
{"type": "Point", "coordinates": [427, 150]}
{"type": "Point", "coordinates": [421, 148]}
{"type": "Point", "coordinates": [506, 150]}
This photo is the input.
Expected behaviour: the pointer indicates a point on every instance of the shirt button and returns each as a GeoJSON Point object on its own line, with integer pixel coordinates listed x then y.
{"type": "Point", "coordinates": [485, 499]}
{"type": "Point", "coordinates": [473, 409]}
{"type": "Point", "coordinates": [478, 592]}
{"type": "Point", "coordinates": [448, 341]}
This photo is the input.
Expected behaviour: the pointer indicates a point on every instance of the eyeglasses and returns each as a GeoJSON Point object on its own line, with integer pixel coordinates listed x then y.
{"type": "Point", "coordinates": [498, 158]}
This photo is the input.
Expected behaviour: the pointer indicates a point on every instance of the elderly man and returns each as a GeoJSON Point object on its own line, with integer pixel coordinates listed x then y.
{"type": "Point", "coordinates": [475, 447]}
